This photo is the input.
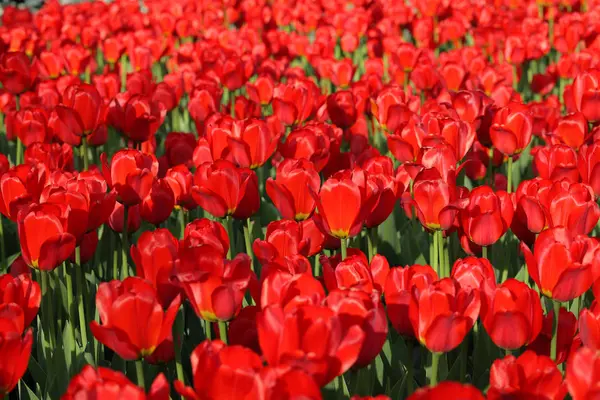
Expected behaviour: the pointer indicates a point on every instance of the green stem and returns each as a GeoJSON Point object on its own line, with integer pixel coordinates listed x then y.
{"type": "Point", "coordinates": [223, 331]}
{"type": "Point", "coordinates": [69, 284]}
{"type": "Point", "coordinates": [435, 257]}
{"type": "Point", "coordinates": [435, 362]}
{"type": "Point", "coordinates": [19, 154]}
{"type": "Point", "coordinates": [4, 264]}
{"type": "Point", "coordinates": [115, 255]}
{"type": "Point", "coordinates": [442, 260]}
{"type": "Point", "coordinates": [509, 174]}
{"type": "Point", "coordinates": [248, 242]}
{"type": "Point", "coordinates": [139, 371]}
{"type": "Point", "coordinates": [80, 304]}
{"type": "Point", "coordinates": [317, 265]}
{"type": "Point", "coordinates": [84, 154]}
{"type": "Point", "coordinates": [123, 65]}
{"type": "Point", "coordinates": [343, 248]}
{"type": "Point", "coordinates": [208, 330]}
{"type": "Point", "coordinates": [231, 234]}
{"type": "Point", "coordinates": [410, 369]}
{"type": "Point", "coordinates": [178, 340]}
{"type": "Point", "coordinates": [125, 245]}
{"type": "Point", "coordinates": [554, 342]}
{"type": "Point", "coordinates": [48, 308]}
{"type": "Point", "coordinates": [181, 222]}
{"type": "Point", "coordinates": [372, 240]}
{"type": "Point", "coordinates": [484, 252]}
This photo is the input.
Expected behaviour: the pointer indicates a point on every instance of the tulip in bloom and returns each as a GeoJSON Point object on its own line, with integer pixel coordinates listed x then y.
{"type": "Point", "coordinates": [528, 376]}
{"type": "Point", "coordinates": [106, 383]}
{"type": "Point", "coordinates": [22, 291]}
{"type": "Point", "coordinates": [134, 324]}
{"type": "Point", "coordinates": [583, 374]}
{"type": "Point", "coordinates": [512, 314]}
{"type": "Point", "coordinates": [512, 128]}
{"type": "Point", "coordinates": [15, 350]}
{"type": "Point", "coordinates": [442, 314]}
{"type": "Point", "coordinates": [341, 109]}
{"type": "Point", "coordinates": [474, 273]}
{"type": "Point", "coordinates": [488, 215]}
{"type": "Point", "coordinates": [17, 73]}
{"type": "Point", "coordinates": [557, 162]}
{"type": "Point", "coordinates": [204, 232]}
{"type": "Point", "coordinates": [589, 326]}
{"type": "Point", "coordinates": [131, 173]}
{"type": "Point", "coordinates": [562, 265]}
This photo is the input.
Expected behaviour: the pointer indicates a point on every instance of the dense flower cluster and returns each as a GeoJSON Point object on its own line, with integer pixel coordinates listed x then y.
{"type": "Point", "coordinates": [252, 199]}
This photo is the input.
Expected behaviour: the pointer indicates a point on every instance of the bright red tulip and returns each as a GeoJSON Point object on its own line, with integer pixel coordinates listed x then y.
{"type": "Point", "coordinates": [562, 265]}
{"type": "Point", "coordinates": [204, 232]}
{"type": "Point", "coordinates": [583, 374]}
{"type": "Point", "coordinates": [134, 324]}
{"type": "Point", "coordinates": [474, 273]}
{"type": "Point", "coordinates": [355, 272]}
{"type": "Point", "coordinates": [131, 173]}
{"type": "Point", "coordinates": [557, 162]}
{"type": "Point", "coordinates": [528, 376]}
{"type": "Point", "coordinates": [512, 129]}
{"type": "Point", "coordinates": [15, 350]}
{"type": "Point", "coordinates": [589, 326]}
{"type": "Point", "coordinates": [20, 186]}
{"type": "Point", "coordinates": [512, 314]}
{"type": "Point", "coordinates": [24, 292]}
{"type": "Point", "coordinates": [488, 215]}
{"type": "Point", "coordinates": [30, 125]}
{"type": "Point", "coordinates": [588, 163]}
{"type": "Point", "coordinates": [442, 314]}
{"type": "Point", "coordinates": [17, 72]}
{"type": "Point", "coordinates": [282, 239]}
{"type": "Point", "coordinates": [157, 206]}
{"type": "Point", "coordinates": [261, 91]}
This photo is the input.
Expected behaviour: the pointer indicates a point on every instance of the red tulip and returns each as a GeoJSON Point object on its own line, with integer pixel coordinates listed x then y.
{"type": "Point", "coordinates": [20, 186]}
{"type": "Point", "coordinates": [528, 376]}
{"type": "Point", "coordinates": [488, 215]}
{"type": "Point", "coordinates": [45, 241]}
{"type": "Point", "coordinates": [30, 125]}
{"type": "Point", "coordinates": [294, 102]}
{"type": "Point", "coordinates": [342, 205]}
{"type": "Point", "coordinates": [87, 104]}
{"type": "Point", "coordinates": [222, 372]}
{"type": "Point", "coordinates": [180, 180]}
{"type": "Point", "coordinates": [309, 143]}
{"type": "Point", "coordinates": [562, 265]}
{"type": "Point", "coordinates": [512, 314]}
{"type": "Point", "coordinates": [131, 173]}
{"type": "Point", "coordinates": [512, 128]}
{"type": "Point", "coordinates": [53, 156]}
{"type": "Point", "coordinates": [157, 206]}
{"type": "Point", "coordinates": [24, 292]}
{"type": "Point", "coordinates": [582, 95]}
{"type": "Point", "coordinates": [474, 273]}
{"type": "Point", "coordinates": [572, 130]}
{"type": "Point", "coordinates": [282, 239]}
{"type": "Point", "coordinates": [588, 163]}
{"type": "Point", "coordinates": [297, 338]}
{"type": "Point", "coordinates": [398, 288]}
{"type": "Point", "coordinates": [50, 65]}
{"type": "Point", "coordinates": [134, 220]}
{"type": "Point", "coordinates": [289, 383]}
{"type": "Point", "coordinates": [405, 142]}
{"type": "Point", "coordinates": [137, 118]}
{"type": "Point", "coordinates": [557, 162]}
{"type": "Point", "coordinates": [179, 148]}
{"type": "Point", "coordinates": [215, 287]}
{"type": "Point", "coordinates": [583, 374]}
{"type": "Point", "coordinates": [102, 382]}
{"type": "Point", "coordinates": [288, 191]}
{"type": "Point", "coordinates": [589, 326]}
{"type": "Point", "coordinates": [442, 314]}
{"type": "Point", "coordinates": [341, 109]}
{"type": "Point", "coordinates": [17, 73]}
{"type": "Point", "coordinates": [155, 256]}
{"type": "Point", "coordinates": [366, 310]}
{"type": "Point", "coordinates": [243, 331]}
{"type": "Point", "coordinates": [222, 189]}
{"type": "Point", "coordinates": [14, 356]}
{"type": "Point", "coordinates": [134, 324]}
{"type": "Point", "coordinates": [448, 389]}
{"type": "Point", "coordinates": [261, 91]}
{"type": "Point", "coordinates": [391, 108]}
{"type": "Point", "coordinates": [250, 142]}
{"type": "Point", "coordinates": [355, 273]}
{"type": "Point", "coordinates": [204, 232]}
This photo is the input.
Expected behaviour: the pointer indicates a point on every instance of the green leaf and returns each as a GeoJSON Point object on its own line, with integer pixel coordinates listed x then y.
{"type": "Point", "coordinates": [37, 372]}
{"type": "Point", "coordinates": [26, 392]}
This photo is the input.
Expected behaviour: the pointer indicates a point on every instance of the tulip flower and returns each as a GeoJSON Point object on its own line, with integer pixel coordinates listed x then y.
{"type": "Point", "coordinates": [155, 256]}
{"type": "Point", "coordinates": [15, 350]}
{"type": "Point", "coordinates": [45, 241]}
{"type": "Point", "coordinates": [22, 291]}
{"type": "Point", "coordinates": [488, 215]}
{"type": "Point", "coordinates": [557, 162]}
{"type": "Point", "coordinates": [222, 372]}
{"type": "Point", "coordinates": [295, 338]}
{"type": "Point", "coordinates": [341, 109]}
{"type": "Point", "coordinates": [589, 326]}
{"type": "Point", "coordinates": [215, 287]}
{"type": "Point", "coordinates": [511, 129]}
{"type": "Point", "coordinates": [137, 118]}
{"type": "Point", "coordinates": [562, 265]}
{"type": "Point", "coordinates": [442, 314]}
{"type": "Point", "coordinates": [131, 173]}
{"type": "Point", "coordinates": [528, 376]}
{"type": "Point", "coordinates": [204, 232]}
{"type": "Point", "coordinates": [30, 125]}
{"type": "Point", "coordinates": [583, 374]}
{"type": "Point", "coordinates": [474, 273]}
{"type": "Point", "coordinates": [283, 239]}
{"type": "Point", "coordinates": [20, 186]}
{"type": "Point", "coordinates": [512, 314]}
{"type": "Point", "coordinates": [391, 108]}
{"type": "Point", "coordinates": [288, 190]}
{"type": "Point", "coordinates": [588, 164]}
{"type": "Point", "coordinates": [101, 382]}
{"type": "Point", "coordinates": [180, 180]}
{"type": "Point", "coordinates": [308, 143]}
{"type": "Point", "coordinates": [294, 102]}
{"type": "Point", "coordinates": [448, 390]}
{"type": "Point", "coordinates": [355, 272]}
{"type": "Point", "coordinates": [223, 190]}
{"type": "Point", "coordinates": [17, 72]}
{"type": "Point", "coordinates": [566, 339]}
{"type": "Point", "coordinates": [261, 90]}
{"type": "Point", "coordinates": [134, 324]}
{"type": "Point", "coordinates": [157, 206]}
{"type": "Point", "coordinates": [179, 148]}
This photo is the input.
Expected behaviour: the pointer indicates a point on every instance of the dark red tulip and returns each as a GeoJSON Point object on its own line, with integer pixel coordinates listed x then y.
{"type": "Point", "coordinates": [341, 108]}
{"type": "Point", "coordinates": [134, 220]}
{"type": "Point", "coordinates": [398, 288]}
{"type": "Point", "coordinates": [222, 189]}
{"type": "Point", "coordinates": [45, 241]}
{"type": "Point", "coordinates": [131, 173]}
{"type": "Point", "coordinates": [288, 191]}
{"type": "Point", "coordinates": [583, 373]}
{"type": "Point", "coordinates": [103, 382]}
{"type": "Point", "coordinates": [528, 376]}
{"type": "Point", "coordinates": [443, 313]}
{"type": "Point", "coordinates": [157, 206]}
{"type": "Point", "coordinates": [155, 256]}
{"type": "Point", "coordinates": [562, 265]}
{"type": "Point", "coordinates": [179, 148]}
{"type": "Point", "coordinates": [243, 331]}
{"type": "Point", "coordinates": [17, 72]}
{"type": "Point", "coordinates": [223, 372]}
{"type": "Point", "coordinates": [137, 118]}
{"type": "Point", "coordinates": [134, 324]}
{"type": "Point", "coordinates": [512, 314]}
{"type": "Point", "coordinates": [488, 215]}
{"type": "Point", "coordinates": [295, 338]}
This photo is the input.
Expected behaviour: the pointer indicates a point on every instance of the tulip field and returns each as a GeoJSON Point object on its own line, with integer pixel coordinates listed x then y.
{"type": "Point", "coordinates": [300, 199]}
